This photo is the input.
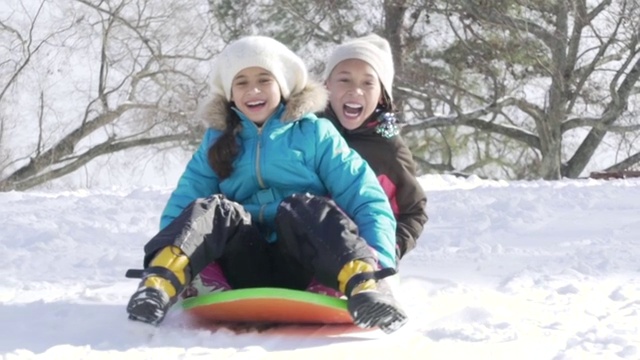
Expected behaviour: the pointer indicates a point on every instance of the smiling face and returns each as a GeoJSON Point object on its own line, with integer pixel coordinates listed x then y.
{"type": "Point", "coordinates": [256, 93]}
{"type": "Point", "coordinates": [354, 92]}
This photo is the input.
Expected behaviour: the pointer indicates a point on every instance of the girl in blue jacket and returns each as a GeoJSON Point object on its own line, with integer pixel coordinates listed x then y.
{"type": "Point", "coordinates": [274, 196]}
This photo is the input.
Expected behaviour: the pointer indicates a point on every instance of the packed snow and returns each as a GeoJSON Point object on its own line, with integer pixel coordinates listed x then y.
{"type": "Point", "coordinates": [503, 270]}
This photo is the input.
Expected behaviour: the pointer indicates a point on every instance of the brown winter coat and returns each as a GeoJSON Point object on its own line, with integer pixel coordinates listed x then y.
{"type": "Point", "coordinates": [391, 160]}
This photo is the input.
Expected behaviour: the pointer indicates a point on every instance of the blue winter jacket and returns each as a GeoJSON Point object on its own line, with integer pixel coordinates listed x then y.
{"type": "Point", "coordinates": [305, 155]}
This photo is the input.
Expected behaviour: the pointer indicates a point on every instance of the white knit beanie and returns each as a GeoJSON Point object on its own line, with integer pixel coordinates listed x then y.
{"type": "Point", "coordinates": [372, 49]}
{"type": "Point", "coordinates": [260, 51]}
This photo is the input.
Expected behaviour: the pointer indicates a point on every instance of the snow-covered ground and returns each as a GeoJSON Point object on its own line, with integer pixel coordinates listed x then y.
{"type": "Point", "coordinates": [504, 270]}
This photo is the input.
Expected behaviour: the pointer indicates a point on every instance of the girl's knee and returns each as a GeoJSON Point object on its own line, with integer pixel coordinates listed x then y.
{"type": "Point", "coordinates": [304, 200]}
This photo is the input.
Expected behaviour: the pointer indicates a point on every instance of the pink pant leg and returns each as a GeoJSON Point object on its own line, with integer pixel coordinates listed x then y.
{"type": "Point", "coordinates": [210, 280]}
{"type": "Point", "coordinates": [316, 287]}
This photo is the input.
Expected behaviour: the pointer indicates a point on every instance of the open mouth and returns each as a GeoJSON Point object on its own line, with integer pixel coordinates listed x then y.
{"type": "Point", "coordinates": [352, 110]}
{"type": "Point", "coordinates": [256, 105]}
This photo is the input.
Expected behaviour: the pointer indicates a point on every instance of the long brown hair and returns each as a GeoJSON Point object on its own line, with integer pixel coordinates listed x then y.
{"type": "Point", "coordinates": [224, 151]}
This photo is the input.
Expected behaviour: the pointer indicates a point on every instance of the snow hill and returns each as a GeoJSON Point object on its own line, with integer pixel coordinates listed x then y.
{"type": "Point", "coordinates": [503, 270]}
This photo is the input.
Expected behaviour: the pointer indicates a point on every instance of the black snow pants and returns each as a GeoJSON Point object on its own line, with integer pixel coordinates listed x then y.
{"type": "Point", "coordinates": [315, 239]}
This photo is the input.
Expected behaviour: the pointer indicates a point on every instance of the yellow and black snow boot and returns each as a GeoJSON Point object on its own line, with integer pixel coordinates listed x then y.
{"type": "Point", "coordinates": [370, 301]}
{"type": "Point", "coordinates": [161, 284]}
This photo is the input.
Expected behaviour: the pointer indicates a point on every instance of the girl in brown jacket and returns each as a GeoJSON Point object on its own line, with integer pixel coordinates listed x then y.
{"type": "Point", "coordinates": [359, 77]}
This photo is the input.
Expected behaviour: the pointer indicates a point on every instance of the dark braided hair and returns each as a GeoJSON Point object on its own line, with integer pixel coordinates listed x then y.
{"type": "Point", "coordinates": [387, 103]}
{"type": "Point", "coordinates": [224, 151]}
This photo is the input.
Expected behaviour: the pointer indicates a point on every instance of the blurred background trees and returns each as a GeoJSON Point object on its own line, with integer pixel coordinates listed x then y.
{"type": "Point", "coordinates": [503, 89]}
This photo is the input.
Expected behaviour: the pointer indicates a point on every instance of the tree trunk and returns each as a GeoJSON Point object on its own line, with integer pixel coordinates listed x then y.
{"type": "Point", "coordinates": [550, 166]}
{"type": "Point", "coordinates": [394, 11]}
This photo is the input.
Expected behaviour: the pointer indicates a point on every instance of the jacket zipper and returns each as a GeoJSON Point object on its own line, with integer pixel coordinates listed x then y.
{"type": "Point", "coordinates": [258, 173]}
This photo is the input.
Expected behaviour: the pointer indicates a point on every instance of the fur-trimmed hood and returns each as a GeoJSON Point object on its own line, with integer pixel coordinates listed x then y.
{"type": "Point", "coordinates": [311, 99]}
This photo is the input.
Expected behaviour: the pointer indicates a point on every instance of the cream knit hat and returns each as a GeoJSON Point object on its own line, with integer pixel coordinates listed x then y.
{"type": "Point", "coordinates": [261, 51]}
{"type": "Point", "coordinates": [372, 49]}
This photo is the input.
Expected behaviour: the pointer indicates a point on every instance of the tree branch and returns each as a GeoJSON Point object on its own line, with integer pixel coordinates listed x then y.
{"type": "Point", "coordinates": [494, 17]}
{"type": "Point", "coordinates": [107, 147]}
{"type": "Point", "coordinates": [612, 112]}
{"type": "Point", "coordinates": [472, 119]}
{"type": "Point", "coordinates": [67, 145]}
{"type": "Point", "coordinates": [625, 164]}
{"type": "Point", "coordinates": [598, 123]}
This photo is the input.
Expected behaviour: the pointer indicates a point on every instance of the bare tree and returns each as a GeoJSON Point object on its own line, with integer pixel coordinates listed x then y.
{"type": "Point", "coordinates": [500, 88]}
{"type": "Point", "coordinates": [308, 27]}
{"type": "Point", "coordinates": [516, 89]}
{"type": "Point", "coordinates": [146, 72]}
{"type": "Point", "coordinates": [540, 71]}
{"type": "Point", "coordinates": [19, 49]}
